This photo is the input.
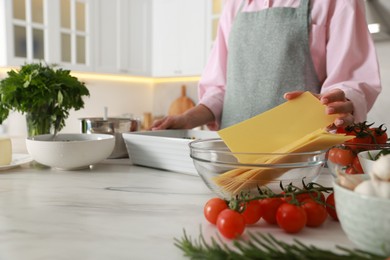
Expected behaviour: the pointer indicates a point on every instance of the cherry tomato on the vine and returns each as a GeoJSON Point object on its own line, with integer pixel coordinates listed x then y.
{"type": "Point", "coordinates": [331, 206]}
{"type": "Point", "coordinates": [212, 209]}
{"type": "Point", "coordinates": [252, 212]}
{"type": "Point", "coordinates": [379, 134]}
{"type": "Point", "coordinates": [311, 195]}
{"type": "Point", "coordinates": [341, 156]}
{"type": "Point", "coordinates": [356, 165]}
{"type": "Point", "coordinates": [350, 170]}
{"type": "Point", "coordinates": [307, 195]}
{"type": "Point", "coordinates": [341, 130]}
{"type": "Point", "coordinates": [316, 213]}
{"type": "Point", "coordinates": [291, 218]}
{"type": "Point", "coordinates": [269, 206]}
{"type": "Point", "coordinates": [367, 139]}
{"type": "Point", "coordinates": [381, 139]}
{"type": "Point", "coordinates": [230, 223]}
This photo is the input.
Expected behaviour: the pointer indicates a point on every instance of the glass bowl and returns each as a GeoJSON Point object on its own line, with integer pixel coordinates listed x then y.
{"type": "Point", "coordinates": [344, 159]}
{"type": "Point", "coordinates": [228, 174]}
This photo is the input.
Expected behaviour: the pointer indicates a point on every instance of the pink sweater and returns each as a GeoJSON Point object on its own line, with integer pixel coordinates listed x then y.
{"type": "Point", "coordinates": [343, 53]}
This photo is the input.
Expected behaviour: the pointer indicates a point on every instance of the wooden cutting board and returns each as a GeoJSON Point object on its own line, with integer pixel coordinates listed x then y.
{"type": "Point", "coordinates": [181, 104]}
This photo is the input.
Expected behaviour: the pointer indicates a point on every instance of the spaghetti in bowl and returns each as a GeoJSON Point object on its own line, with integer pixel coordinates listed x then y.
{"type": "Point", "coordinates": [228, 174]}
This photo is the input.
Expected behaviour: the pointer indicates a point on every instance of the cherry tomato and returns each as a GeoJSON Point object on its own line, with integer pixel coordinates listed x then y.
{"type": "Point", "coordinates": [341, 156]}
{"type": "Point", "coordinates": [361, 140]}
{"type": "Point", "coordinates": [379, 134]}
{"type": "Point", "coordinates": [269, 206]}
{"type": "Point", "coordinates": [230, 223]}
{"type": "Point", "coordinates": [316, 213]}
{"type": "Point", "coordinates": [291, 218]}
{"type": "Point", "coordinates": [381, 139]}
{"type": "Point", "coordinates": [356, 165]}
{"type": "Point", "coordinates": [350, 170]}
{"type": "Point", "coordinates": [212, 209]}
{"type": "Point", "coordinates": [341, 130]}
{"type": "Point", "coordinates": [331, 206]}
{"type": "Point", "coordinates": [252, 212]}
{"type": "Point", "coordinates": [311, 195]}
{"type": "Point", "coordinates": [303, 196]}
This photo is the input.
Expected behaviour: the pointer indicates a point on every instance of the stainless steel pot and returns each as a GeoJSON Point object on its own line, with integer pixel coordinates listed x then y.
{"type": "Point", "coordinates": [113, 126]}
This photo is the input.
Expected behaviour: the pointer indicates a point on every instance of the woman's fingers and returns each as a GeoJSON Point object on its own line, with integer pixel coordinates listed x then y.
{"type": "Point", "coordinates": [344, 120]}
{"type": "Point", "coordinates": [292, 94]}
{"type": "Point", "coordinates": [339, 107]}
{"type": "Point", "coordinates": [336, 103]}
{"type": "Point", "coordinates": [332, 96]}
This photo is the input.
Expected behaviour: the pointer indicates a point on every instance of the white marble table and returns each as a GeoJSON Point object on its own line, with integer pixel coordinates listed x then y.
{"type": "Point", "coordinates": [114, 211]}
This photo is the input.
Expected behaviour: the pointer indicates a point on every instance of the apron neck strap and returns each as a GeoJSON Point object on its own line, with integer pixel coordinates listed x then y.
{"type": "Point", "coordinates": [304, 6]}
{"type": "Point", "coordinates": [241, 6]}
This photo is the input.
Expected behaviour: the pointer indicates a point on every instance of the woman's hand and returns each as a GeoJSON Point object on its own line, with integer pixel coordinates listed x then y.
{"type": "Point", "coordinates": [170, 122]}
{"type": "Point", "coordinates": [194, 117]}
{"type": "Point", "coordinates": [336, 103]}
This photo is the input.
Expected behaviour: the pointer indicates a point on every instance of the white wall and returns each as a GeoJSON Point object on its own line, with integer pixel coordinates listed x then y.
{"type": "Point", "coordinates": [166, 93]}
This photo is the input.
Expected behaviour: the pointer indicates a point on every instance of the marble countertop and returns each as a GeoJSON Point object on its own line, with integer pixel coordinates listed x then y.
{"type": "Point", "coordinates": [114, 211]}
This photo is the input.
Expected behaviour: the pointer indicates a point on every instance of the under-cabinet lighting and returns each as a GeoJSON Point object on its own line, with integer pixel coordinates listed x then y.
{"type": "Point", "coordinates": [374, 28]}
{"type": "Point", "coordinates": [134, 79]}
{"type": "Point", "coordinates": [377, 24]}
{"type": "Point", "coordinates": [122, 78]}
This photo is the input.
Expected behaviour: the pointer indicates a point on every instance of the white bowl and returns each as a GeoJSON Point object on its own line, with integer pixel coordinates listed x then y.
{"type": "Point", "coordinates": [364, 219]}
{"type": "Point", "coordinates": [70, 151]}
{"type": "Point", "coordinates": [366, 161]}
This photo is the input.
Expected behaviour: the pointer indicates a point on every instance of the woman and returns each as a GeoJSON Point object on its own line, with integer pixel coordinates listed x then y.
{"type": "Point", "coordinates": [267, 51]}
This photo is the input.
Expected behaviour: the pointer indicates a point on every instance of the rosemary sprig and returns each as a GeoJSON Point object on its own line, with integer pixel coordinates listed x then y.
{"type": "Point", "coordinates": [264, 246]}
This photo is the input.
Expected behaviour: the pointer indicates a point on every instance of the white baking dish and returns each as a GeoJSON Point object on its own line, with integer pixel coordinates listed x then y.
{"type": "Point", "coordinates": [164, 149]}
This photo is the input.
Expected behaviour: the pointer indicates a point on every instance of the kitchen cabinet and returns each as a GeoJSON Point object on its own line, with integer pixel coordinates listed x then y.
{"type": "Point", "coordinates": [107, 35]}
{"type": "Point", "coordinates": [145, 38]}
{"type": "Point", "coordinates": [55, 31]}
{"type": "Point", "coordinates": [166, 38]}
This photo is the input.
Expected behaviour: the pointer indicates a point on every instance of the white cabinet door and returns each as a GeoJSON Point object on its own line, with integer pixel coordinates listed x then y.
{"type": "Point", "coordinates": [193, 41]}
{"type": "Point", "coordinates": [136, 58]}
{"type": "Point", "coordinates": [107, 35]}
{"type": "Point", "coordinates": [167, 38]}
{"type": "Point", "coordinates": [51, 31]}
{"type": "Point", "coordinates": [24, 30]}
{"type": "Point", "coordinates": [6, 43]}
{"type": "Point", "coordinates": [179, 28]}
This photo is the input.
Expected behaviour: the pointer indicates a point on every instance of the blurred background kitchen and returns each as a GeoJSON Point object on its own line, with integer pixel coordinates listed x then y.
{"type": "Point", "coordinates": [134, 55]}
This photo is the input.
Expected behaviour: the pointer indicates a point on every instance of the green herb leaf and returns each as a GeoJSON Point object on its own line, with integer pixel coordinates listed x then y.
{"type": "Point", "coordinates": [264, 246]}
{"type": "Point", "coordinates": [44, 92]}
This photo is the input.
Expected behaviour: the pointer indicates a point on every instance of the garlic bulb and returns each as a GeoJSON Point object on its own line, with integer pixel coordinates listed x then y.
{"type": "Point", "coordinates": [381, 168]}
{"type": "Point", "coordinates": [382, 188]}
{"type": "Point", "coordinates": [366, 188]}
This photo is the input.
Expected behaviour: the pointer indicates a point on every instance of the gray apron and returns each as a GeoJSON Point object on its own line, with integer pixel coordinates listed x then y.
{"type": "Point", "coordinates": [269, 55]}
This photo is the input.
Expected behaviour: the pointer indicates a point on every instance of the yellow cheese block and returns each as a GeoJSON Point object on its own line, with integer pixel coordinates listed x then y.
{"type": "Point", "coordinates": [278, 127]}
{"type": "Point", "coordinates": [5, 151]}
